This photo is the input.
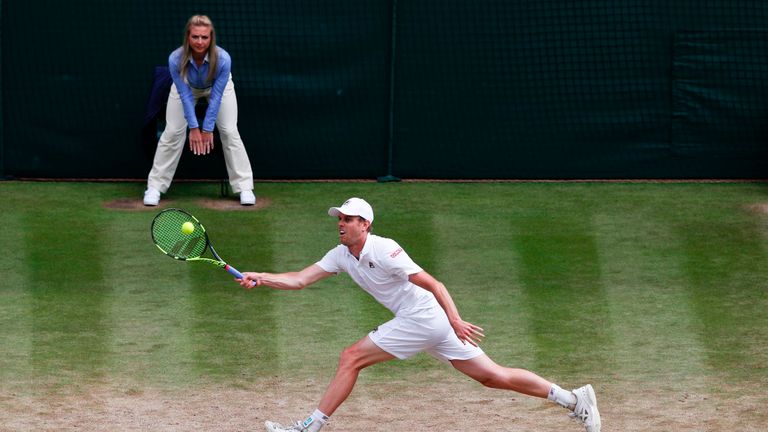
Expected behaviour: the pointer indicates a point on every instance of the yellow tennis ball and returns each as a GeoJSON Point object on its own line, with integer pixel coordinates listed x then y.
{"type": "Point", "coordinates": [187, 228]}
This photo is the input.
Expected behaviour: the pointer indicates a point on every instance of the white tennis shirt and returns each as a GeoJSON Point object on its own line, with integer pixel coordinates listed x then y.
{"type": "Point", "coordinates": [382, 271]}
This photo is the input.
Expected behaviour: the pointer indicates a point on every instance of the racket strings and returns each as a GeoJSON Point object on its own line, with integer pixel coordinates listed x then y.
{"type": "Point", "coordinates": [168, 235]}
{"type": "Point", "coordinates": [186, 248]}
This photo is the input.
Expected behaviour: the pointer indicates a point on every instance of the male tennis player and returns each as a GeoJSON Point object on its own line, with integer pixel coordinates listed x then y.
{"type": "Point", "coordinates": [426, 319]}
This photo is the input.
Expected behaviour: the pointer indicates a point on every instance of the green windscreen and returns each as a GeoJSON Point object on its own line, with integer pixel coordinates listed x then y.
{"type": "Point", "coordinates": [417, 89]}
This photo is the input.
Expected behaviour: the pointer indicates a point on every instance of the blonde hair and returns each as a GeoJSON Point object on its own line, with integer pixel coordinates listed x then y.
{"type": "Point", "coordinates": [186, 51]}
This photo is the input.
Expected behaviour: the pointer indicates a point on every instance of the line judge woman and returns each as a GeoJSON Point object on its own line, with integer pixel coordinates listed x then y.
{"type": "Point", "coordinates": [200, 70]}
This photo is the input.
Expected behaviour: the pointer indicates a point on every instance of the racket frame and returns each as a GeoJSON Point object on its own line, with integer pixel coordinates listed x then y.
{"type": "Point", "coordinates": [218, 261]}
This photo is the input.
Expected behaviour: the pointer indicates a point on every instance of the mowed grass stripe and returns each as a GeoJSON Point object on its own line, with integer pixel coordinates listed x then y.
{"type": "Point", "coordinates": [233, 328]}
{"type": "Point", "coordinates": [481, 274]}
{"type": "Point", "coordinates": [725, 263]}
{"type": "Point", "coordinates": [63, 260]}
{"type": "Point", "coordinates": [654, 337]}
{"type": "Point", "coordinates": [15, 306]}
{"type": "Point", "coordinates": [565, 302]}
{"type": "Point", "coordinates": [148, 307]}
{"type": "Point", "coordinates": [313, 325]}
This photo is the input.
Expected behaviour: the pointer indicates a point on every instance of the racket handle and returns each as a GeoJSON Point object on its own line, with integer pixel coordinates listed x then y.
{"type": "Point", "coordinates": [233, 271]}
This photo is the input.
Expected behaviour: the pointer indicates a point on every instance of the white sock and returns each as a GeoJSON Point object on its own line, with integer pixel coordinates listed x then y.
{"type": "Point", "coordinates": [315, 421]}
{"type": "Point", "coordinates": [564, 398]}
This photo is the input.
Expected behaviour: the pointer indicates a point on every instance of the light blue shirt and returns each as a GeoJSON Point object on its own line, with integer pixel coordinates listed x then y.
{"type": "Point", "coordinates": [197, 78]}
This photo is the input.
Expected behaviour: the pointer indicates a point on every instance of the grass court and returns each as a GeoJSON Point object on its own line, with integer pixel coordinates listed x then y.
{"type": "Point", "coordinates": [647, 290]}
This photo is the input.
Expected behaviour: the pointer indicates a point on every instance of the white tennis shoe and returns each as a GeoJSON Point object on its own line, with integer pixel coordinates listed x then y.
{"type": "Point", "coordinates": [586, 408]}
{"type": "Point", "coordinates": [277, 427]}
{"type": "Point", "coordinates": [151, 197]}
{"type": "Point", "coordinates": [247, 198]}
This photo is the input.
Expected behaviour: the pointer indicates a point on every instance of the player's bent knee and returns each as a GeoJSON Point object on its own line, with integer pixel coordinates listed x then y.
{"type": "Point", "coordinates": [350, 358]}
{"type": "Point", "coordinates": [360, 356]}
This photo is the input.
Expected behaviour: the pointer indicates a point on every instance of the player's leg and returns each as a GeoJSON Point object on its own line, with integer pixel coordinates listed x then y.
{"type": "Point", "coordinates": [353, 359]}
{"type": "Point", "coordinates": [236, 158]}
{"type": "Point", "coordinates": [169, 149]}
{"type": "Point", "coordinates": [488, 373]}
{"type": "Point", "coordinates": [582, 401]}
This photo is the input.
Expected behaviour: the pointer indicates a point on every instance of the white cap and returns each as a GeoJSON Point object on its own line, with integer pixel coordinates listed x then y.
{"type": "Point", "coordinates": [353, 207]}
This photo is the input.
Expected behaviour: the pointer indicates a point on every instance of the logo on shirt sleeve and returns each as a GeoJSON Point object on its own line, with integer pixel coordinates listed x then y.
{"type": "Point", "coordinates": [396, 253]}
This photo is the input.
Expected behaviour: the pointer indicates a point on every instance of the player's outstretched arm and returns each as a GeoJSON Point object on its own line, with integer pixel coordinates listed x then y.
{"type": "Point", "coordinates": [466, 331]}
{"type": "Point", "coordinates": [285, 281]}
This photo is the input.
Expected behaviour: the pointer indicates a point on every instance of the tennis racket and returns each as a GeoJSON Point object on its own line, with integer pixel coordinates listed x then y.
{"type": "Point", "coordinates": [181, 236]}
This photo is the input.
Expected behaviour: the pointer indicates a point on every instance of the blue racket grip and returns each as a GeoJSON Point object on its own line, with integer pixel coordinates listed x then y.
{"type": "Point", "coordinates": [233, 271]}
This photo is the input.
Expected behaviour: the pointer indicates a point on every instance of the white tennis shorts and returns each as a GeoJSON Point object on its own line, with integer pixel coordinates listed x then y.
{"type": "Point", "coordinates": [426, 330]}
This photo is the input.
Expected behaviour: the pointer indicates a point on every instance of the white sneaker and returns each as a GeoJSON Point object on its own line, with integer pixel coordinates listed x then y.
{"type": "Point", "coordinates": [277, 427]}
{"type": "Point", "coordinates": [151, 197]}
{"type": "Point", "coordinates": [586, 408]}
{"type": "Point", "coordinates": [247, 198]}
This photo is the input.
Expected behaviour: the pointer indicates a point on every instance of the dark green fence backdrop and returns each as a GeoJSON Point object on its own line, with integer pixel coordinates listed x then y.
{"type": "Point", "coordinates": [499, 89]}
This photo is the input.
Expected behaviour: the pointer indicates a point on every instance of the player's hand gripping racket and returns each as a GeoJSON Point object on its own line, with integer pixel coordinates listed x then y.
{"type": "Point", "coordinates": [180, 235]}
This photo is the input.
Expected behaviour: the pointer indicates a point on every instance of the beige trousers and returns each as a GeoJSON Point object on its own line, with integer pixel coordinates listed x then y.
{"type": "Point", "coordinates": [174, 136]}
